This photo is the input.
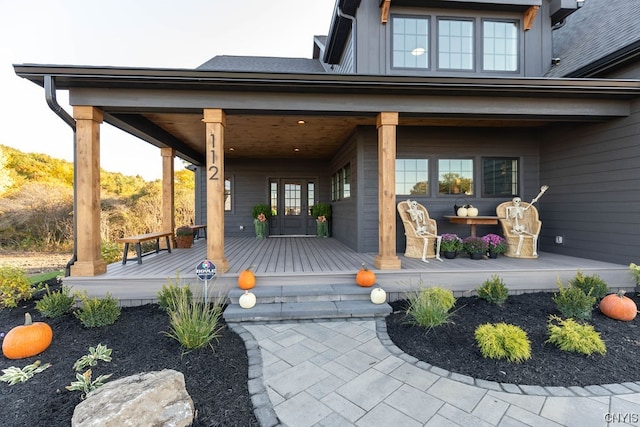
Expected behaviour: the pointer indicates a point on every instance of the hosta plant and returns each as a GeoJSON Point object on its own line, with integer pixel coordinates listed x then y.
{"type": "Point", "coordinates": [100, 352]}
{"type": "Point", "coordinates": [570, 335]}
{"type": "Point", "coordinates": [85, 383]}
{"type": "Point", "coordinates": [13, 375]}
{"type": "Point", "coordinates": [503, 341]}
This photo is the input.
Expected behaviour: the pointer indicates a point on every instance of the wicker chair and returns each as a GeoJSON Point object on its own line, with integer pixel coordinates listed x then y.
{"type": "Point", "coordinates": [521, 228]}
{"type": "Point", "coordinates": [421, 231]}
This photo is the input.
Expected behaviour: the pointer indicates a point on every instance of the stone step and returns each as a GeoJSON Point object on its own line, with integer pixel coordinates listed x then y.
{"type": "Point", "coordinates": [297, 302]}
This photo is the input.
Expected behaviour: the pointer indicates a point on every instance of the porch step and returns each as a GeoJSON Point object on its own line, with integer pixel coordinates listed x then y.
{"type": "Point", "coordinates": [297, 302]}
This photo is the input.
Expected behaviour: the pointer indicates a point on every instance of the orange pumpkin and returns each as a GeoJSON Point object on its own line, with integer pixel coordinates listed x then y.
{"type": "Point", "coordinates": [619, 307]}
{"type": "Point", "coordinates": [365, 277]}
{"type": "Point", "coordinates": [246, 279]}
{"type": "Point", "coordinates": [27, 340]}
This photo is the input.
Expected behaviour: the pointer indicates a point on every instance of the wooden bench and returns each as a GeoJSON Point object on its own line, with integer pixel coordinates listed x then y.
{"type": "Point", "coordinates": [137, 240]}
{"type": "Point", "coordinates": [196, 231]}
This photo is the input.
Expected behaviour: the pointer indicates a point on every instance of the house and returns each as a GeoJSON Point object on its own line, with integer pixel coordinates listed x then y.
{"type": "Point", "coordinates": [441, 101]}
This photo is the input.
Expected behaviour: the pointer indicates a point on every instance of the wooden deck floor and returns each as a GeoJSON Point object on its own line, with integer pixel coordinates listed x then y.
{"type": "Point", "coordinates": [279, 261]}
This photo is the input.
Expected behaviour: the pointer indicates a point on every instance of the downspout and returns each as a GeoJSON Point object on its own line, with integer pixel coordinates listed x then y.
{"type": "Point", "coordinates": [50, 95]}
{"type": "Point", "coordinates": [353, 37]}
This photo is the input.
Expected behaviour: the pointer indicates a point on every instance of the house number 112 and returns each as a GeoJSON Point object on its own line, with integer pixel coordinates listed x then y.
{"type": "Point", "coordinates": [213, 167]}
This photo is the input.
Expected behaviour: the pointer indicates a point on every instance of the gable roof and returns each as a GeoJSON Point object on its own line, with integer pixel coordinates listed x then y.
{"type": "Point", "coordinates": [599, 35]}
{"type": "Point", "coordinates": [262, 64]}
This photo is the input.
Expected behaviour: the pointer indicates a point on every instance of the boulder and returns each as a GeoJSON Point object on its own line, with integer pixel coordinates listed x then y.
{"type": "Point", "coordinates": [148, 399]}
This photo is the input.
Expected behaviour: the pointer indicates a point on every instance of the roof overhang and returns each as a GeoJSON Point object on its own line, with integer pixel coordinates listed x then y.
{"type": "Point", "coordinates": [165, 106]}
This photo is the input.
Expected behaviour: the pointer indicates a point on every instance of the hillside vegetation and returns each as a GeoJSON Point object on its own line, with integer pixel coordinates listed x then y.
{"type": "Point", "coordinates": [36, 202]}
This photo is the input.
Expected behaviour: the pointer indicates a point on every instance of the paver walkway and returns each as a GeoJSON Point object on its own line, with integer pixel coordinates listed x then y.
{"type": "Point", "coordinates": [346, 373]}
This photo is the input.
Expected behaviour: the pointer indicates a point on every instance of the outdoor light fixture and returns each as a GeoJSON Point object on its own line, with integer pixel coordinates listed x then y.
{"type": "Point", "coordinates": [301, 122]}
{"type": "Point", "coordinates": [418, 51]}
{"type": "Point", "coordinates": [296, 149]}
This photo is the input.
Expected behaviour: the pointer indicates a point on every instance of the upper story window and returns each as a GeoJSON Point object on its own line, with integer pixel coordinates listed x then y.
{"type": "Point", "coordinates": [462, 44]}
{"type": "Point", "coordinates": [410, 42]}
{"type": "Point", "coordinates": [500, 46]}
{"type": "Point", "coordinates": [455, 44]}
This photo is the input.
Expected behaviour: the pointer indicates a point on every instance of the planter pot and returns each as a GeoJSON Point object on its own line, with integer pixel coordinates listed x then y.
{"type": "Point", "coordinates": [184, 242]}
{"type": "Point", "coordinates": [449, 254]}
{"type": "Point", "coordinates": [261, 228]}
{"type": "Point", "coordinates": [476, 255]}
{"type": "Point", "coordinates": [322, 229]}
{"type": "Point", "coordinates": [492, 255]}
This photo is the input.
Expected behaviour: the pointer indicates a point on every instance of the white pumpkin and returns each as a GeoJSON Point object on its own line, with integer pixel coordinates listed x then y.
{"type": "Point", "coordinates": [471, 211]}
{"type": "Point", "coordinates": [247, 300]}
{"type": "Point", "coordinates": [378, 296]}
{"type": "Point", "coordinates": [462, 211]}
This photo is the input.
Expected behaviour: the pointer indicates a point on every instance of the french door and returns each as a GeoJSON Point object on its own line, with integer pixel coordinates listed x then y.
{"type": "Point", "coordinates": [291, 202]}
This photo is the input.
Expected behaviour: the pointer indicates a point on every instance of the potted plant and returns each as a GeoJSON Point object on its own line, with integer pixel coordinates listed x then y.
{"type": "Point", "coordinates": [475, 246]}
{"type": "Point", "coordinates": [261, 215]}
{"type": "Point", "coordinates": [184, 237]}
{"type": "Point", "coordinates": [495, 245]}
{"type": "Point", "coordinates": [450, 245]}
{"type": "Point", "coordinates": [321, 212]}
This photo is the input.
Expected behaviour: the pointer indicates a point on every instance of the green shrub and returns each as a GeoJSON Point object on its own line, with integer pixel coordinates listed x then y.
{"type": "Point", "coordinates": [430, 307]}
{"type": "Point", "coordinates": [573, 302]}
{"type": "Point", "coordinates": [194, 323]}
{"type": "Point", "coordinates": [14, 287]}
{"type": "Point", "coordinates": [98, 312]}
{"type": "Point", "coordinates": [570, 335]}
{"type": "Point", "coordinates": [57, 303]}
{"type": "Point", "coordinates": [503, 341]}
{"type": "Point", "coordinates": [170, 294]}
{"type": "Point", "coordinates": [493, 290]}
{"type": "Point", "coordinates": [110, 252]}
{"type": "Point", "coordinates": [591, 285]}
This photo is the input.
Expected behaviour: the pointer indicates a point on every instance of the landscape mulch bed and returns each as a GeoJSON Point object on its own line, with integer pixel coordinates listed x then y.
{"type": "Point", "coordinates": [217, 380]}
{"type": "Point", "coordinates": [452, 346]}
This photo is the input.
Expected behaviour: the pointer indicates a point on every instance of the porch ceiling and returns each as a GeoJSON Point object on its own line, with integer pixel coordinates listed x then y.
{"type": "Point", "coordinates": [282, 136]}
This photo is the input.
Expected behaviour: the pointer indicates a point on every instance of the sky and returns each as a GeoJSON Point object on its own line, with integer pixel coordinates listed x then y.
{"type": "Point", "coordinates": [133, 33]}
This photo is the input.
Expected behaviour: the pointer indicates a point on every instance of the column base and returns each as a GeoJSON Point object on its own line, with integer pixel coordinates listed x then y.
{"type": "Point", "coordinates": [222, 264]}
{"type": "Point", "coordinates": [387, 262]}
{"type": "Point", "coordinates": [88, 268]}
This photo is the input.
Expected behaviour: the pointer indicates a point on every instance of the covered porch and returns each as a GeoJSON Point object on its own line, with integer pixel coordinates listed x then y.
{"type": "Point", "coordinates": [282, 261]}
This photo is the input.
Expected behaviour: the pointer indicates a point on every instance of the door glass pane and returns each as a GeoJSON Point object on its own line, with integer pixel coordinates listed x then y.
{"type": "Point", "coordinates": [274, 197]}
{"type": "Point", "coordinates": [292, 201]}
{"type": "Point", "coordinates": [311, 196]}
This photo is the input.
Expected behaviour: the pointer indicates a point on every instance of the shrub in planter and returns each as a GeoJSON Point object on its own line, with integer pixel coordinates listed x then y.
{"type": "Point", "coordinates": [184, 237]}
{"type": "Point", "coordinates": [261, 215]}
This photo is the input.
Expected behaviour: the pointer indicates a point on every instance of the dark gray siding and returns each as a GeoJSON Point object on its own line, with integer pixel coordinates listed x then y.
{"type": "Point", "coordinates": [594, 200]}
{"type": "Point", "coordinates": [374, 40]}
{"type": "Point", "coordinates": [442, 142]}
{"type": "Point", "coordinates": [250, 185]}
{"type": "Point", "coordinates": [344, 221]}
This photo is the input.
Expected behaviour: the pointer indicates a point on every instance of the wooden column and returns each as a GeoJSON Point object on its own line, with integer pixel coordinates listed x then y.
{"type": "Point", "coordinates": [89, 262]}
{"type": "Point", "coordinates": [215, 124]}
{"type": "Point", "coordinates": [387, 258]}
{"type": "Point", "coordinates": [168, 193]}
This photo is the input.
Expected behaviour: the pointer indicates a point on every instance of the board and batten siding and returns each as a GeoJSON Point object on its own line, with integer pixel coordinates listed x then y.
{"type": "Point", "coordinates": [594, 201]}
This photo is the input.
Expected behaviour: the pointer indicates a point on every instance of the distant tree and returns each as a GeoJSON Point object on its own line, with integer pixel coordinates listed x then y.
{"type": "Point", "coordinates": [5, 176]}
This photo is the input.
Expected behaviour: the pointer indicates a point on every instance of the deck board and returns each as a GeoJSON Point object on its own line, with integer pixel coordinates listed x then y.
{"type": "Point", "coordinates": [309, 260]}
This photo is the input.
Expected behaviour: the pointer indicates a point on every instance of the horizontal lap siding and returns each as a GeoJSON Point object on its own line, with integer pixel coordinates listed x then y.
{"type": "Point", "coordinates": [442, 142]}
{"type": "Point", "coordinates": [250, 186]}
{"type": "Point", "coordinates": [344, 221]}
{"type": "Point", "coordinates": [594, 174]}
